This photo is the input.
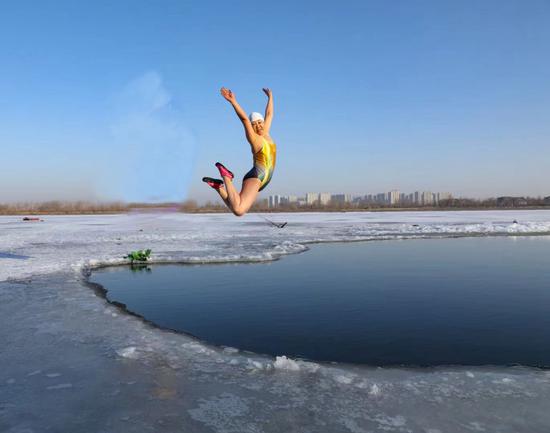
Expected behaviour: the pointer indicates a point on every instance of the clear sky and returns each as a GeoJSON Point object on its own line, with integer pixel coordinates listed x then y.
{"type": "Point", "coordinates": [120, 99]}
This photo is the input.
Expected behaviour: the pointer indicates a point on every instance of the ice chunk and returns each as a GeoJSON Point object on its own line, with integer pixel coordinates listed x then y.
{"type": "Point", "coordinates": [343, 379]}
{"type": "Point", "coordinates": [284, 363]}
{"type": "Point", "coordinates": [256, 365]}
{"type": "Point", "coordinates": [128, 352]}
{"type": "Point", "coordinates": [374, 390]}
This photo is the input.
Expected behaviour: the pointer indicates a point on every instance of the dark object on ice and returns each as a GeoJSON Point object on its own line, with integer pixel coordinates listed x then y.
{"type": "Point", "coordinates": [416, 225]}
{"type": "Point", "coordinates": [515, 222]}
{"type": "Point", "coordinates": [278, 225]}
{"type": "Point", "coordinates": [12, 256]}
{"type": "Point", "coordinates": [138, 256]}
{"type": "Point", "coordinates": [32, 219]}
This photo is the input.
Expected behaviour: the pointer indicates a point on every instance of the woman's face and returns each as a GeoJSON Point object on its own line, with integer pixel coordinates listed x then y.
{"type": "Point", "coordinates": [258, 127]}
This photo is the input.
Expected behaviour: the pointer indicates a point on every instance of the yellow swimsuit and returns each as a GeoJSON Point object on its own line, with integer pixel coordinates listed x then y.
{"type": "Point", "coordinates": [264, 164]}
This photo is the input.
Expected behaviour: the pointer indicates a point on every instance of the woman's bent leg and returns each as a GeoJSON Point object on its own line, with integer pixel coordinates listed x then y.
{"type": "Point", "coordinates": [233, 196]}
{"type": "Point", "coordinates": [223, 194]}
{"type": "Point", "coordinates": [241, 203]}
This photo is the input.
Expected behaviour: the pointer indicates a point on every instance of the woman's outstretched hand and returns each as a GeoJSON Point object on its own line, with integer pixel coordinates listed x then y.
{"type": "Point", "coordinates": [267, 92]}
{"type": "Point", "coordinates": [227, 94]}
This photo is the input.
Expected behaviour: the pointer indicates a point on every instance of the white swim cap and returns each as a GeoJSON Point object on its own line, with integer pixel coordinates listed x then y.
{"type": "Point", "coordinates": [255, 116]}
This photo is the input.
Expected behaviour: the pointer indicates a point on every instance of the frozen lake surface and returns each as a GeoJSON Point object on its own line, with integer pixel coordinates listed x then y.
{"type": "Point", "coordinates": [72, 362]}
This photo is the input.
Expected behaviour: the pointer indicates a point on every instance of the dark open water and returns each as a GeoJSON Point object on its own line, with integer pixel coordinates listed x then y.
{"type": "Point", "coordinates": [463, 301]}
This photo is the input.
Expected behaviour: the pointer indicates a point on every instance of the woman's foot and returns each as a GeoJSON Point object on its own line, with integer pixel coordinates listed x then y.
{"type": "Point", "coordinates": [214, 183]}
{"type": "Point", "coordinates": [224, 172]}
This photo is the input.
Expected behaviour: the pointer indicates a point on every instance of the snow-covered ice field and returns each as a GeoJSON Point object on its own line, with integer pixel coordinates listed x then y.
{"type": "Point", "coordinates": [71, 362]}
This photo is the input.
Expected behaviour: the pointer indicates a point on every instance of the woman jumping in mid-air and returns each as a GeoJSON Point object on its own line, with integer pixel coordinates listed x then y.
{"type": "Point", "coordinates": [263, 152]}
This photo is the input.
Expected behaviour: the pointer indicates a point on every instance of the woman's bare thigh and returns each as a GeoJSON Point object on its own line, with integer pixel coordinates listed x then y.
{"type": "Point", "coordinates": [249, 192]}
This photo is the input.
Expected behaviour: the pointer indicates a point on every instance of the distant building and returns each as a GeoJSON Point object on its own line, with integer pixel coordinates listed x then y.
{"type": "Point", "coordinates": [324, 198]}
{"type": "Point", "coordinates": [381, 198]}
{"type": "Point", "coordinates": [393, 197]}
{"type": "Point", "coordinates": [427, 198]}
{"type": "Point", "coordinates": [444, 196]}
{"type": "Point", "coordinates": [547, 200]}
{"type": "Point", "coordinates": [417, 197]}
{"type": "Point", "coordinates": [340, 198]}
{"type": "Point", "coordinates": [312, 198]}
{"type": "Point", "coordinates": [279, 200]}
{"type": "Point", "coordinates": [274, 201]}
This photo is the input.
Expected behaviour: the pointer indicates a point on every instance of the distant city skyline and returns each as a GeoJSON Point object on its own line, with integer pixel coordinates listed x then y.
{"type": "Point", "coordinates": [393, 197]}
{"type": "Point", "coordinates": [399, 199]}
{"type": "Point", "coordinates": [120, 100]}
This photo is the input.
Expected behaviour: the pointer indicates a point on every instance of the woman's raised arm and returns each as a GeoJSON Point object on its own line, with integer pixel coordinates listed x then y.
{"type": "Point", "coordinates": [230, 96]}
{"type": "Point", "coordinates": [268, 109]}
{"type": "Point", "coordinates": [251, 136]}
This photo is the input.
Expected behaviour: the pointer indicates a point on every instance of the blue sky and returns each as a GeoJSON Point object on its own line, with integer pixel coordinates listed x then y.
{"type": "Point", "coordinates": [120, 100]}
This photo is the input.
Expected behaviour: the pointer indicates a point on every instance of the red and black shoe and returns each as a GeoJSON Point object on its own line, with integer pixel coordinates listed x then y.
{"type": "Point", "coordinates": [214, 183]}
{"type": "Point", "coordinates": [224, 172]}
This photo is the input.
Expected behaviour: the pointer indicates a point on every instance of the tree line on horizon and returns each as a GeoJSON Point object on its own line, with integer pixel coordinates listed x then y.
{"type": "Point", "coordinates": [192, 206]}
